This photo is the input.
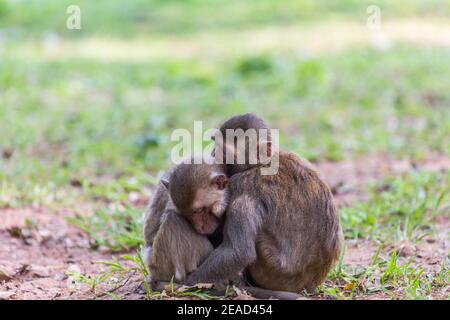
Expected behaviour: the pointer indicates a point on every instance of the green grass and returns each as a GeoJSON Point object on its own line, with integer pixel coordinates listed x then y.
{"type": "Point", "coordinates": [118, 230]}
{"type": "Point", "coordinates": [119, 272]}
{"type": "Point", "coordinates": [401, 208]}
{"type": "Point", "coordinates": [103, 122]}
{"type": "Point", "coordinates": [387, 277]}
{"type": "Point", "coordinates": [110, 122]}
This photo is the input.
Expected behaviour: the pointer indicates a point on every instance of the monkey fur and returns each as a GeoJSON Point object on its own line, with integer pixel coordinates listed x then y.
{"type": "Point", "coordinates": [172, 247]}
{"type": "Point", "coordinates": [283, 228]}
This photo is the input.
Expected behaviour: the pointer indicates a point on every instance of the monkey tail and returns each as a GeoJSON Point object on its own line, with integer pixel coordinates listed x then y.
{"type": "Point", "coordinates": [261, 293]}
{"type": "Point", "coordinates": [256, 292]}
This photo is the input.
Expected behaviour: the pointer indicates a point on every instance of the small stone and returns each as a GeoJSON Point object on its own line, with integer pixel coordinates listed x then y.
{"type": "Point", "coordinates": [60, 277]}
{"type": "Point", "coordinates": [44, 235]}
{"type": "Point", "coordinates": [68, 242]}
{"type": "Point", "coordinates": [406, 249]}
{"type": "Point", "coordinates": [429, 239]}
{"type": "Point", "coordinates": [104, 249]}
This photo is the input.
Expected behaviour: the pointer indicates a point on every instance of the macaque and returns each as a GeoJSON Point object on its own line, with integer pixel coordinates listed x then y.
{"type": "Point", "coordinates": [176, 241]}
{"type": "Point", "coordinates": [200, 194]}
{"type": "Point", "coordinates": [283, 228]}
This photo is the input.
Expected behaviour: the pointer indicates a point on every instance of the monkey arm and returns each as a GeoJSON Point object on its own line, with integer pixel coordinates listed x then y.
{"type": "Point", "coordinates": [151, 226]}
{"type": "Point", "coordinates": [237, 251]}
{"type": "Point", "coordinates": [152, 221]}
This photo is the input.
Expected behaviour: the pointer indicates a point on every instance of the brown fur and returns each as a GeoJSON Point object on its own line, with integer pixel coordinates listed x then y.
{"type": "Point", "coordinates": [172, 247]}
{"type": "Point", "coordinates": [284, 228]}
{"type": "Point", "coordinates": [177, 248]}
{"type": "Point", "coordinates": [298, 244]}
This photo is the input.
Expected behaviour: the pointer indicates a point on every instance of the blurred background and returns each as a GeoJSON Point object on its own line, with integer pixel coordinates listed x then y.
{"type": "Point", "coordinates": [86, 114]}
{"type": "Point", "coordinates": [104, 99]}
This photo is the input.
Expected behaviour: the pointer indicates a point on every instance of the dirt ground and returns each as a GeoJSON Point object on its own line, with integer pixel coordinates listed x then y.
{"type": "Point", "coordinates": [34, 261]}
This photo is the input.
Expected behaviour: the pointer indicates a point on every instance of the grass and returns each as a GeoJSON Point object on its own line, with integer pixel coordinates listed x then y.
{"type": "Point", "coordinates": [386, 277]}
{"type": "Point", "coordinates": [86, 116]}
{"type": "Point", "coordinates": [111, 123]}
{"type": "Point", "coordinates": [401, 208]}
{"type": "Point", "coordinates": [118, 274]}
{"type": "Point", "coordinates": [119, 230]}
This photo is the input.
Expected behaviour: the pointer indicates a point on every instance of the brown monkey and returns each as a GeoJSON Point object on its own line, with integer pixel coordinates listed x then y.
{"type": "Point", "coordinates": [200, 194]}
{"type": "Point", "coordinates": [172, 247]}
{"type": "Point", "coordinates": [284, 228]}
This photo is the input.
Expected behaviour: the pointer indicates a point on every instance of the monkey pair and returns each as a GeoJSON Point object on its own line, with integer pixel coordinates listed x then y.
{"type": "Point", "coordinates": [282, 229]}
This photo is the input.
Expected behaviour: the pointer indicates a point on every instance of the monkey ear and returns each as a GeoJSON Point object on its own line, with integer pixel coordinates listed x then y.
{"type": "Point", "coordinates": [220, 181]}
{"type": "Point", "coordinates": [165, 183]}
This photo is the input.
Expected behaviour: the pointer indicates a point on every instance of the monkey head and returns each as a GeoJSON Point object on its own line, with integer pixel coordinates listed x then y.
{"type": "Point", "coordinates": [245, 140]}
{"type": "Point", "coordinates": [199, 192]}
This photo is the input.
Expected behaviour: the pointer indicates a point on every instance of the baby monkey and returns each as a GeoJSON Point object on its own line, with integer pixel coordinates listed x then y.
{"type": "Point", "coordinates": [185, 210]}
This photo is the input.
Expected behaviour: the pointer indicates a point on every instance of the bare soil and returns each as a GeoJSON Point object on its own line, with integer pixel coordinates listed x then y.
{"type": "Point", "coordinates": [36, 256]}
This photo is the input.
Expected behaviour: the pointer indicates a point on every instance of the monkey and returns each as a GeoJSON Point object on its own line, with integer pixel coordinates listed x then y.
{"type": "Point", "coordinates": [173, 247]}
{"type": "Point", "coordinates": [177, 238]}
{"type": "Point", "coordinates": [284, 228]}
{"type": "Point", "coordinates": [200, 194]}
